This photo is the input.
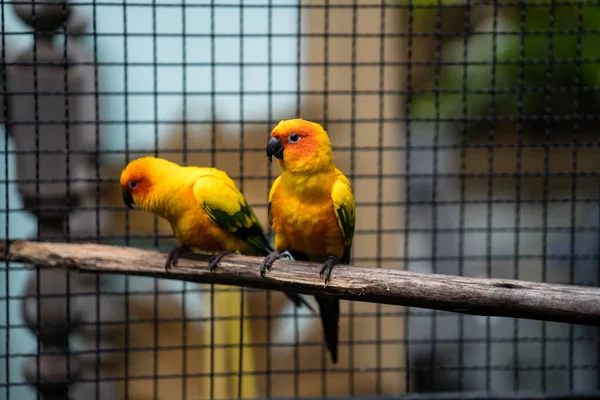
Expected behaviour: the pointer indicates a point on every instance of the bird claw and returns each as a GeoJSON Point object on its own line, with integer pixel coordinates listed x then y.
{"type": "Point", "coordinates": [328, 268]}
{"type": "Point", "coordinates": [173, 257]}
{"type": "Point", "coordinates": [268, 261]}
{"type": "Point", "coordinates": [214, 260]}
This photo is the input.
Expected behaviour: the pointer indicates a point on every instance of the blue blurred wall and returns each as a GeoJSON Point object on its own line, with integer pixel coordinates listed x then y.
{"type": "Point", "coordinates": [138, 19]}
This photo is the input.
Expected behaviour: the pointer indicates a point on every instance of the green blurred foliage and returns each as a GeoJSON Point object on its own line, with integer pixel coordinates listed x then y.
{"type": "Point", "coordinates": [424, 12]}
{"type": "Point", "coordinates": [540, 60]}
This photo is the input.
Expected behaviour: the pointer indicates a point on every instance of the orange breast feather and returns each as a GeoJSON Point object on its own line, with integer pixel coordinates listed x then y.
{"type": "Point", "coordinates": [309, 227]}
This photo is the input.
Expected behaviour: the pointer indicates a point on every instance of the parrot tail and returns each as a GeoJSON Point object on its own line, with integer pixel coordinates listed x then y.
{"type": "Point", "coordinates": [298, 300]}
{"type": "Point", "coordinates": [330, 316]}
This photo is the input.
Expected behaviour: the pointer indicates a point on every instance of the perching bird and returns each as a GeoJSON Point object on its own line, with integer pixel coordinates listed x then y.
{"type": "Point", "coordinates": [311, 208]}
{"type": "Point", "coordinates": [206, 210]}
{"type": "Point", "coordinates": [208, 215]}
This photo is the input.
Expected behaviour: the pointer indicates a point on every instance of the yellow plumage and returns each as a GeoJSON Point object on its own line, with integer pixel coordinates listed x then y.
{"type": "Point", "coordinates": [305, 215]}
{"type": "Point", "coordinates": [207, 213]}
{"type": "Point", "coordinates": [311, 207]}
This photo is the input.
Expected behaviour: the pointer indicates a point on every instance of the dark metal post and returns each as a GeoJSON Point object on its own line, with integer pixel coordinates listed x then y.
{"type": "Point", "coordinates": [52, 120]}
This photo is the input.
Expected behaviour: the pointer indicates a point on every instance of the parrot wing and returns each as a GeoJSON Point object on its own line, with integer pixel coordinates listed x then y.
{"type": "Point", "coordinates": [221, 199]}
{"type": "Point", "coordinates": [345, 210]}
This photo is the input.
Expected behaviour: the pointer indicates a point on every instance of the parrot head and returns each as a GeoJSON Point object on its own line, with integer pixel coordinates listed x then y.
{"type": "Point", "coordinates": [300, 146]}
{"type": "Point", "coordinates": [139, 181]}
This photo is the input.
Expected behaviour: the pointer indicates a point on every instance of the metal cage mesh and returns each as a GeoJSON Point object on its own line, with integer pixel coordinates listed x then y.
{"type": "Point", "coordinates": [467, 130]}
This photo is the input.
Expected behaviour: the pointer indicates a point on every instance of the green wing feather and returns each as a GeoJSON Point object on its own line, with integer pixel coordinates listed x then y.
{"type": "Point", "coordinates": [345, 208]}
{"type": "Point", "coordinates": [223, 202]}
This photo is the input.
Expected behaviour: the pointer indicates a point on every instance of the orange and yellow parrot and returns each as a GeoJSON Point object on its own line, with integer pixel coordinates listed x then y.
{"type": "Point", "coordinates": [208, 215]}
{"type": "Point", "coordinates": [311, 208]}
{"type": "Point", "coordinates": [206, 210]}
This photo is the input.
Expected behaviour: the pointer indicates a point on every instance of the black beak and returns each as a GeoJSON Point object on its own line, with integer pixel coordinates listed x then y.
{"type": "Point", "coordinates": [274, 148]}
{"type": "Point", "coordinates": [128, 199]}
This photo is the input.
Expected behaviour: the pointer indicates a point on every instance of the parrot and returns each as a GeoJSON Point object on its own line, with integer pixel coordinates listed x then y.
{"type": "Point", "coordinates": [208, 215]}
{"type": "Point", "coordinates": [206, 210]}
{"type": "Point", "coordinates": [311, 209]}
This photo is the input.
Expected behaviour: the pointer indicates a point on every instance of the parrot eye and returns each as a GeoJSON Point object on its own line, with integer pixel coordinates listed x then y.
{"type": "Point", "coordinates": [294, 138]}
{"type": "Point", "coordinates": [132, 184]}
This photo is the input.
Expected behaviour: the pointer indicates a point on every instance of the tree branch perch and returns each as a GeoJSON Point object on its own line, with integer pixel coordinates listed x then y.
{"type": "Point", "coordinates": [478, 296]}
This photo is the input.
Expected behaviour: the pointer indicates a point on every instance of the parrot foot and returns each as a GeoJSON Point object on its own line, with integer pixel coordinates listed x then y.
{"type": "Point", "coordinates": [214, 260]}
{"type": "Point", "coordinates": [328, 267]}
{"type": "Point", "coordinates": [174, 255]}
{"type": "Point", "coordinates": [268, 262]}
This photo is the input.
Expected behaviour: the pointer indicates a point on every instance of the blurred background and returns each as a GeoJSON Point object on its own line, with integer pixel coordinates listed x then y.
{"type": "Point", "coordinates": [466, 129]}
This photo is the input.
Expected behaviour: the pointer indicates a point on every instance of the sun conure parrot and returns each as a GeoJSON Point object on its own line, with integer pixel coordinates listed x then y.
{"type": "Point", "coordinates": [208, 215]}
{"type": "Point", "coordinates": [311, 208]}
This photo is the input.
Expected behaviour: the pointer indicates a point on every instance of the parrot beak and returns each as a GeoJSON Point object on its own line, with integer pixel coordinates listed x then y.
{"type": "Point", "coordinates": [128, 199]}
{"type": "Point", "coordinates": [274, 148]}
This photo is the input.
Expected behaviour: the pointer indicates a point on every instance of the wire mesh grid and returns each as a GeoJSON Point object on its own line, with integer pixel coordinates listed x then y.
{"type": "Point", "coordinates": [465, 128]}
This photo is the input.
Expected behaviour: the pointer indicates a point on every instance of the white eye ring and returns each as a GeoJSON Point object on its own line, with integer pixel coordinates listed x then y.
{"type": "Point", "coordinates": [132, 184]}
{"type": "Point", "coordinates": [294, 138]}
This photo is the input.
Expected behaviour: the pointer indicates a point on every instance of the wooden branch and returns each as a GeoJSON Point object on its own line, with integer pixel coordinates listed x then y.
{"type": "Point", "coordinates": [478, 296]}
